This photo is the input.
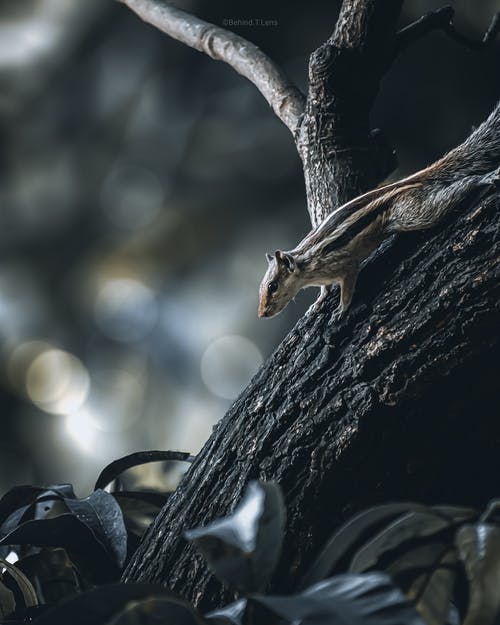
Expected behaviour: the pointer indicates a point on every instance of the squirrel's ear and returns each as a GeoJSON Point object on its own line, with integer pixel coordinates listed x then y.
{"type": "Point", "coordinates": [285, 259]}
{"type": "Point", "coordinates": [289, 261]}
{"type": "Point", "coordinates": [269, 257]}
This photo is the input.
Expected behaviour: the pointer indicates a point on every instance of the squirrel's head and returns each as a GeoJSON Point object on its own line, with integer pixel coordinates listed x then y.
{"type": "Point", "coordinates": [279, 284]}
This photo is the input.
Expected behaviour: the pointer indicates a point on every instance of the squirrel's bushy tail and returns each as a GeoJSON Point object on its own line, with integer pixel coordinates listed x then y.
{"type": "Point", "coordinates": [478, 154]}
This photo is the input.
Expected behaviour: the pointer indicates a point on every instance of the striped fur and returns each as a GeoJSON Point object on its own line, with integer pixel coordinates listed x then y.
{"type": "Point", "coordinates": [334, 250]}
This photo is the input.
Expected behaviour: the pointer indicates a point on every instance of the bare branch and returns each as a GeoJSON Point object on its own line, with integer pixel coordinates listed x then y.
{"type": "Point", "coordinates": [246, 58]}
{"type": "Point", "coordinates": [442, 19]}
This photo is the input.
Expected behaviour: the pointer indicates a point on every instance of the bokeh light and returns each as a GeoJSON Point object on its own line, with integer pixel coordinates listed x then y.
{"type": "Point", "coordinates": [228, 363]}
{"type": "Point", "coordinates": [57, 382]}
{"type": "Point", "coordinates": [126, 309]}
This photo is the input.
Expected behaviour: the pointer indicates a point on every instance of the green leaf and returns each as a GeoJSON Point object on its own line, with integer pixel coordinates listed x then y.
{"type": "Point", "coordinates": [243, 549]}
{"type": "Point", "coordinates": [479, 550]}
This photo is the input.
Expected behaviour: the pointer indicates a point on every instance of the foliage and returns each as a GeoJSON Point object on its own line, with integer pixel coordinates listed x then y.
{"type": "Point", "coordinates": [394, 564]}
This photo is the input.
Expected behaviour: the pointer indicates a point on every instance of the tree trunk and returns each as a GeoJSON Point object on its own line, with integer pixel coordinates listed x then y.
{"type": "Point", "coordinates": [397, 401]}
{"type": "Point", "coordinates": [394, 401]}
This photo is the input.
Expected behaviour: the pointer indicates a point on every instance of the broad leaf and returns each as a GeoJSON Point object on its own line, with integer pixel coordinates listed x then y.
{"type": "Point", "coordinates": [397, 536]}
{"type": "Point", "coordinates": [67, 531]}
{"type": "Point", "coordinates": [243, 548]}
{"type": "Point", "coordinates": [7, 601]}
{"type": "Point", "coordinates": [370, 599]}
{"type": "Point", "coordinates": [21, 496]}
{"type": "Point", "coordinates": [232, 614]}
{"type": "Point", "coordinates": [100, 605]}
{"type": "Point", "coordinates": [21, 583]}
{"type": "Point", "coordinates": [102, 514]}
{"type": "Point", "coordinates": [338, 552]}
{"type": "Point", "coordinates": [52, 573]}
{"type": "Point", "coordinates": [427, 574]}
{"type": "Point", "coordinates": [479, 550]}
{"type": "Point", "coordinates": [139, 509]}
{"type": "Point", "coordinates": [157, 611]}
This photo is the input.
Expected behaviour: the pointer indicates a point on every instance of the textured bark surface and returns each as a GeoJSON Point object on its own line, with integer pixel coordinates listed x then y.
{"type": "Point", "coordinates": [396, 400]}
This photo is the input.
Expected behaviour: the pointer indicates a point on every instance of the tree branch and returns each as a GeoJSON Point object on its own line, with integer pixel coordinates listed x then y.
{"type": "Point", "coordinates": [286, 100]}
{"type": "Point", "coordinates": [442, 19]}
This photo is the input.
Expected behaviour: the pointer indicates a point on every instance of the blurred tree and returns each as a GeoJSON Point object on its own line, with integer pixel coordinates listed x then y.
{"type": "Point", "coordinates": [347, 415]}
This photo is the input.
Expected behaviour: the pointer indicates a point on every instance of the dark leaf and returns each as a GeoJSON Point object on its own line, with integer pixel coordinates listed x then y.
{"type": "Point", "coordinates": [427, 575]}
{"type": "Point", "coordinates": [398, 535]}
{"type": "Point", "coordinates": [22, 496]}
{"type": "Point", "coordinates": [479, 550]}
{"type": "Point", "coordinates": [7, 601]}
{"type": "Point", "coordinates": [87, 528]}
{"type": "Point", "coordinates": [243, 548]}
{"type": "Point", "coordinates": [115, 468]}
{"type": "Point", "coordinates": [52, 573]}
{"type": "Point", "coordinates": [338, 552]}
{"type": "Point", "coordinates": [21, 583]}
{"type": "Point", "coordinates": [370, 599]}
{"type": "Point", "coordinates": [67, 531]}
{"type": "Point", "coordinates": [101, 513]}
{"type": "Point", "coordinates": [98, 606]}
{"type": "Point", "coordinates": [157, 611]}
{"type": "Point", "coordinates": [232, 614]}
{"type": "Point", "coordinates": [139, 509]}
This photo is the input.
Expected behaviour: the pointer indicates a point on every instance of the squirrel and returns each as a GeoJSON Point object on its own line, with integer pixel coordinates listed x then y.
{"type": "Point", "coordinates": [334, 250]}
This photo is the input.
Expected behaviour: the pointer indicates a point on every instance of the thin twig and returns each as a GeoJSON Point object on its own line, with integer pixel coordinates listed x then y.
{"type": "Point", "coordinates": [442, 19]}
{"type": "Point", "coordinates": [246, 58]}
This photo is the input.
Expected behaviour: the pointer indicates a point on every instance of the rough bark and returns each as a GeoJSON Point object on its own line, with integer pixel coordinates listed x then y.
{"type": "Point", "coordinates": [394, 401]}
{"type": "Point", "coordinates": [341, 157]}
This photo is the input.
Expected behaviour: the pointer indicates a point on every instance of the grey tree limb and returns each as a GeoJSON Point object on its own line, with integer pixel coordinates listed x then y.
{"type": "Point", "coordinates": [286, 100]}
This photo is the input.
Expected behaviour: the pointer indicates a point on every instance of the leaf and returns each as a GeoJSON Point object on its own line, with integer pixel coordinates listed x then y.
{"type": "Point", "coordinates": [66, 530]}
{"type": "Point", "coordinates": [370, 599]}
{"type": "Point", "coordinates": [22, 583]}
{"type": "Point", "coordinates": [139, 509]}
{"type": "Point", "coordinates": [98, 606]}
{"type": "Point", "coordinates": [157, 611]}
{"type": "Point", "coordinates": [101, 513]}
{"type": "Point", "coordinates": [338, 552]}
{"type": "Point", "coordinates": [22, 496]}
{"type": "Point", "coordinates": [233, 614]}
{"type": "Point", "coordinates": [243, 548]}
{"type": "Point", "coordinates": [479, 550]}
{"type": "Point", "coordinates": [427, 574]}
{"type": "Point", "coordinates": [52, 573]}
{"type": "Point", "coordinates": [115, 468]}
{"type": "Point", "coordinates": [397, 536]}
{"type": "Point", "coordinates": [7, 601]}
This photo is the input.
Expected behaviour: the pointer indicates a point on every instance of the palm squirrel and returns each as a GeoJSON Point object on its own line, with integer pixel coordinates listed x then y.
{"type": "Point", "coordinates": [334, 250]}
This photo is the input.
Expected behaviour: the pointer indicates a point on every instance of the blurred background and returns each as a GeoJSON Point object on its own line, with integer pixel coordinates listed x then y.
{"type": "Point", "coordinates": [141, 184]}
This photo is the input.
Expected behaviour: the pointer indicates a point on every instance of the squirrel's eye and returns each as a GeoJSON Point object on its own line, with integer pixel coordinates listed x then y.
{"type": "Point", "coordinates": [272, 287]}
